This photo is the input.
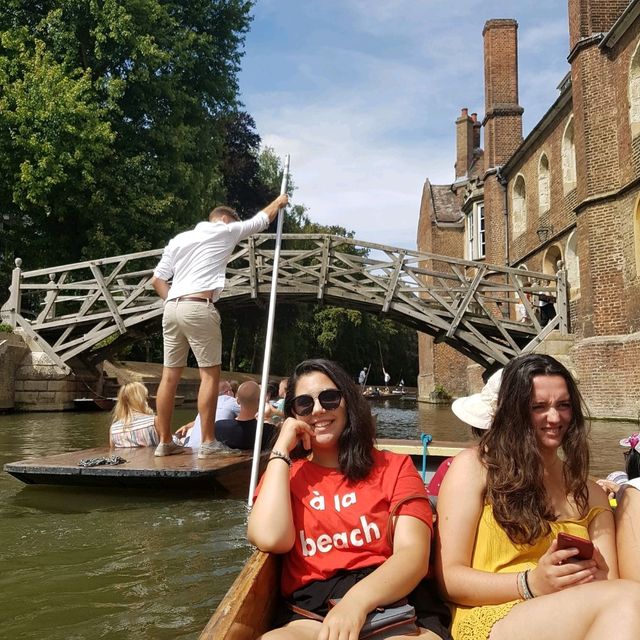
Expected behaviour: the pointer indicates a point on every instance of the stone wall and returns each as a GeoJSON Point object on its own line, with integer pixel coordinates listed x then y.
{"type": "Point", "coordinates": [12, 350]}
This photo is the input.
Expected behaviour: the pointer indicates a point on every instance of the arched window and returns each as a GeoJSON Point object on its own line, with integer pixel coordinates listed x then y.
{"type": "Point", "coordinates": [568, 158]}
{"type": "Point", "coordinates": [634, 93]}
{"type": "Point", "coordinates": [544, 192]}
{"type": "Point", "coordinates": [573, 266]}
{"type": "Point", "coordinates": [636, 230]}
{"type": "Point", "coordinates": [550, 260]}
{"type": "Point", "coordinates": [519, 199]}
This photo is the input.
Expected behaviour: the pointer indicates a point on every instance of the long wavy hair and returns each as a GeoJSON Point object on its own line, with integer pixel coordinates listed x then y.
{"type": "Point", "coordinates": [632, 463]}
{"type": "Point", "coordinates": [509, 450]}
{"type": "Point", "coordinates": [132, 398]}
{"type": "Point", "coordinates": [355, 446]}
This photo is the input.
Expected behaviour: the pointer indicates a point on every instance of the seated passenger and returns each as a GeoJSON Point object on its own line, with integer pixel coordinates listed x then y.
{"type": "Point", "coordinates": [240, 432]}
{"type": "Point", "coordinates": [227, 407]}
{"type": "Point", "coordinates": [133, 420]}
{"type": "Point", "coordinates": [627, 513]}
{"type": "Point", "coordinates": [477, 411]}
{"type": "Point", "coordinates": [500, 510]}
{"type": "Point", "coordinates": [332, 514]}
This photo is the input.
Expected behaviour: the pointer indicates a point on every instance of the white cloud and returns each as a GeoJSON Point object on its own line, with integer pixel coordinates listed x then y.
{"type": "Point", "coordinates": [366, 95]}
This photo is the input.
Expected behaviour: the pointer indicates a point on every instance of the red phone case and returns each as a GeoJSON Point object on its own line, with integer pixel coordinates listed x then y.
{"type": "Point", "coordinates": [584, 546]}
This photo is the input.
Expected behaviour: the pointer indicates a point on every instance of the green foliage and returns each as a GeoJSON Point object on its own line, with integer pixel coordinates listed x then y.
{"type": "Point", "coordinates": [114, 122]}
{"type": "Point", "coordinates": [5, 328]}
{"type": "Point", "coordinates": [440, 392]}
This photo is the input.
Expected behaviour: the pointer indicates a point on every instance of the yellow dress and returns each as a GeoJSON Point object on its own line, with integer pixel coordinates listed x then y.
{"type": "Point", "coordinates": [494, 552]}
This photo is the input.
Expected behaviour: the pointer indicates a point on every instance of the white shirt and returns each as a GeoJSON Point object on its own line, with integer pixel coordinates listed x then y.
{"type": "Point", "coordinates": [227, 409]}
{"type": "Point", "coordinates": [197, 259]}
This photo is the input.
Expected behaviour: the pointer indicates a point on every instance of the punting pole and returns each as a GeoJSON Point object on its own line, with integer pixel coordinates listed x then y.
{"type": "Point", "coordinates": [255, 463]}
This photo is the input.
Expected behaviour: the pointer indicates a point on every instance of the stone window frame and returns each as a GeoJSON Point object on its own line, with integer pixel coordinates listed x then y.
{"type": "Point", "coordinates": [633, 92]}
{"type": "Point", "coordinates": [475, 232]}
{"type": "Point", "coordinates": [569, 174]}
{"type": "Point", "coordinates": [519, 205]}
{"type": "Point", "coordinates": [636, 236]}
{"type": "Point", "coordinates": [572, 265]}
{"type": "Point", "coordinates": [544, 184]}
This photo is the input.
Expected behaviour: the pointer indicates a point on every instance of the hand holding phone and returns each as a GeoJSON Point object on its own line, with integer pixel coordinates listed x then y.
{"type": "Point", "coordinates": [584, 546]}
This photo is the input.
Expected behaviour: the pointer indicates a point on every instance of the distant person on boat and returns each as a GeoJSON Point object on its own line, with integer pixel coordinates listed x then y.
{"type": "Point", "coordinates": [133, 420]}
{"type": "Point", "coordinates": [331, 513]}
{"type": "Point", "coordinates": [362, 376]}
{"type": "Point", "coordinates": [227, 408]}
{"type": "Point", "coordinates": [190, 277]}
{"type": "Point", "coordinates": [240, 432]}
{"type": "Point", "coordinates": [387, 380]}
{"type": "Point", "coordinates": [627, 513]}
{"type": "Point", "coordinates": [477, 411]}
{"type": "Point", "coordinates": [274, 409]}
{"type": "Point", "coordinates": [502, 506]}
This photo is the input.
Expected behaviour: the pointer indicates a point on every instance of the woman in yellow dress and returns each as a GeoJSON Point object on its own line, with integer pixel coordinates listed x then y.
{"type": "Point", "coordinates": [501, 507]}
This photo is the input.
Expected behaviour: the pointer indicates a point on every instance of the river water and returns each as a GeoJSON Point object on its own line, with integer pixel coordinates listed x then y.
{"type": "Point", "coordinates": [119, 564]}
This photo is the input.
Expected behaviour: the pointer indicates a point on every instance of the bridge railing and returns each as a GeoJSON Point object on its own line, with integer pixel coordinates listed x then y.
{"type": "Point", "coordinates": [72, 308]}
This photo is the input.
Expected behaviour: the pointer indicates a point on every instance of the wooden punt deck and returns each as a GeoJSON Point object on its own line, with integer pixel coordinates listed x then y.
{"type": "Point", "coordinates": [226, 472]}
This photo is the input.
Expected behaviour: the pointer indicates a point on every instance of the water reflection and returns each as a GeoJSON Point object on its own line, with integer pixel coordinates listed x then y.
{"type": "Point", "coordinates": [115, 564]}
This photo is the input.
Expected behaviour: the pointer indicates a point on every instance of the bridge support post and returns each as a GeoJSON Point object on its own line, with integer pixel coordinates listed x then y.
{"type": "Point", "coordinates": [11, 309]}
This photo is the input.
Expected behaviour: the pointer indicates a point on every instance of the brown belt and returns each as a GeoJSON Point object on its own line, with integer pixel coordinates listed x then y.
{"type": "Point", "coordinates": [193, 299]}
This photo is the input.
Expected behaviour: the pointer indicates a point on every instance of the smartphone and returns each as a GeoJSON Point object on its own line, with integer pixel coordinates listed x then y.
{"type": "Point", "coordinates": [584, 546]}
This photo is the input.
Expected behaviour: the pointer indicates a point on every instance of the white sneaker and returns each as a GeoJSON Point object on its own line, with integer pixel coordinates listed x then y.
{"type": "Point", "coordinates": [208, 449]}
{"type": "Point", "coordinates": [168, 449]}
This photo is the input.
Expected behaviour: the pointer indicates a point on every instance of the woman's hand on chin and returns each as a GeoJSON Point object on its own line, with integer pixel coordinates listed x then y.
{"type": "Point", "coordinates": [293, 431]}
{"type": "Point", "coordinates": [556, 571]}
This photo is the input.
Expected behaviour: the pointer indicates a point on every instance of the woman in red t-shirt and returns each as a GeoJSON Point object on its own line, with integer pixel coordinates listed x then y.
{"type": "Point", "coordinates": [328, 513]}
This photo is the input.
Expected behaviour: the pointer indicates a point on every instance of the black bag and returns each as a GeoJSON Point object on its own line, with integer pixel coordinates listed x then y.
{"type": "Point", "coordinates": [398, 618]}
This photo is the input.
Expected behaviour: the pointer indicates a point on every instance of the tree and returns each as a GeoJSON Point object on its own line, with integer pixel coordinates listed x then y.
{"type": "Point", "coordinates": [113, 118]}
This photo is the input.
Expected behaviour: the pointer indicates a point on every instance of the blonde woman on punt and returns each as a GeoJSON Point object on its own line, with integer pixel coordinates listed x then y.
{"type": "Point", "coordinates": [133, 419]}
{"type": "Point", "coordinates": [501, 508]}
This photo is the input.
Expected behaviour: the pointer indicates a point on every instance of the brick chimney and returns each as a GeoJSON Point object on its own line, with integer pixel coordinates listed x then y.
{"type": "Point", "coordinates": [477, 128]}
{"type": "Point", "coordinates": [503, 119]}
{"type": "Point", "coordinates": [590, 17]}
{"type": "Point", "coordinates": [464, 143]}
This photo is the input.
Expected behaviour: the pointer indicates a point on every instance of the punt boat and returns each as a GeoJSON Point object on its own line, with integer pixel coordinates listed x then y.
{"type": "Point", "coordinates": [248, 607]}
{"type": "Point", "coordinates": [226, 473]}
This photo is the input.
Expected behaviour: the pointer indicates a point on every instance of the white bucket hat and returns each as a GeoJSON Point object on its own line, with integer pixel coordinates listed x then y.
{"type": "Point", "coordinates": [477, 410]}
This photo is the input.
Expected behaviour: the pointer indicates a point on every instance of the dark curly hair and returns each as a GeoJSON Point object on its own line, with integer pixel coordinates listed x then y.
{"type": "Point", "coordinates": [355, 456]}
{"type": "Point", "coordinates": [509, 451]}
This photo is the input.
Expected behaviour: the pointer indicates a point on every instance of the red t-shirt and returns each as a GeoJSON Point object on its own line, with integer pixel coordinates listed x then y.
{"type": "Point", "coordinates": [343, 526]}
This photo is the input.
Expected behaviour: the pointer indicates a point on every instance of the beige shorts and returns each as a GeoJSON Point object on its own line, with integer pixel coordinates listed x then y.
{"type": "Point", "coordinates": [191, 324]}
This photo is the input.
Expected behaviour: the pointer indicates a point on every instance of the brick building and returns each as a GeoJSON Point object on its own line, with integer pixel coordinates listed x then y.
{"type": "Point", "coordinates": [569, 191]}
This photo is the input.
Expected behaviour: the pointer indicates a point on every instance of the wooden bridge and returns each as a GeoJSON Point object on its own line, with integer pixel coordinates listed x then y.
{"type": "Point", "coordinates": [90, 308]}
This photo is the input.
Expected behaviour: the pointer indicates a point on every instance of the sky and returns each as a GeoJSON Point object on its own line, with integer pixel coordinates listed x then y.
{"type": "Point", "coordinates": [364, 94]}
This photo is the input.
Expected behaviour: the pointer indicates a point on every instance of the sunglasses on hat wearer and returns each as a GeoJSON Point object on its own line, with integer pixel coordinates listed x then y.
{"type": "Point", "coordinates": [329, 399]}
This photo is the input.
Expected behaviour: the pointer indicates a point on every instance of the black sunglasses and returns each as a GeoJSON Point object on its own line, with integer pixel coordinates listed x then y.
{"type": "Point", "coordinates": [329, 399]}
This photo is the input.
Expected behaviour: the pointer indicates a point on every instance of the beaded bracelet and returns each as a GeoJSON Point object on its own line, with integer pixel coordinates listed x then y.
{"type": "Point", "coordinates": [280, 456]}
{"type": "Point", "coordinates": [528, 594]}
{"type": "Point", "coordinates": [520, 584]}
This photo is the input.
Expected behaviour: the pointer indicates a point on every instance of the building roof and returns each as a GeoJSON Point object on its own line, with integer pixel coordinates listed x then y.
{"type": "Point", "coordinates": [445, 203]}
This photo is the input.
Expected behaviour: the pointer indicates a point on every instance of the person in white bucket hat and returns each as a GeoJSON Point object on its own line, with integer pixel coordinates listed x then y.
{"type": "Point", "coordinates": [477, 411]}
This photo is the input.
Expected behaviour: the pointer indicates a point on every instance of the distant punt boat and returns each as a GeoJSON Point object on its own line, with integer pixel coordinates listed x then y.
{"type": "Point", "coordinates": [94, 404]}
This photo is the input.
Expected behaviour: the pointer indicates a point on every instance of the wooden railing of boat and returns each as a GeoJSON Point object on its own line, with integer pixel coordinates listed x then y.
{"type": "Point", "coordinates": [247, 609]}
